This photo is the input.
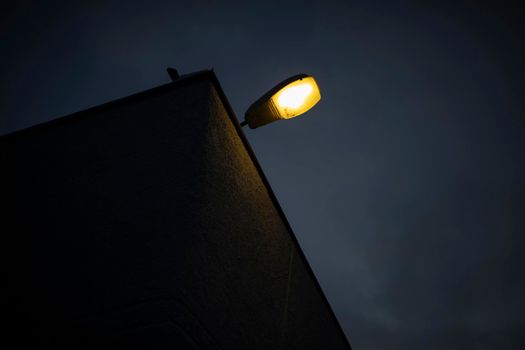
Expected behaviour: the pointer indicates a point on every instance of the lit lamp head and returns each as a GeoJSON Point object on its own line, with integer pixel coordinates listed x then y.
{"type": "Point", "coordinates": [288, 99]}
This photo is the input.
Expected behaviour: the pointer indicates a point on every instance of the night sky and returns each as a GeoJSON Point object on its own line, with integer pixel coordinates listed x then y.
{"type": "Point", "coordinates": [405, 185]}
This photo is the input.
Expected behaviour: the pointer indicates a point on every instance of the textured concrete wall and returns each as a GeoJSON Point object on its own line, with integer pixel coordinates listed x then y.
{"type": "Point", "coordinates": [145, 222]}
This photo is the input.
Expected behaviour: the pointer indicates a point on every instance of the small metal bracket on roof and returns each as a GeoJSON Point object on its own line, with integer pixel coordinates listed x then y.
{"type": "Point", "coordinates": [174, 75]}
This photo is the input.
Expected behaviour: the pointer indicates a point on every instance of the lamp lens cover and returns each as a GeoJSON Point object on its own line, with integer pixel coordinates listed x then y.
{"type": "Point", "coordinates": [296, 98]}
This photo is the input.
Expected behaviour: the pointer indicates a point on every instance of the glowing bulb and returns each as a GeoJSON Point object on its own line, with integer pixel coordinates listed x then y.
{"type": "Point", "coordinates": [294, 96]}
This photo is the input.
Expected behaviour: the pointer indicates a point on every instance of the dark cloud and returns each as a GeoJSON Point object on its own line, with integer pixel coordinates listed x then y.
{"type": "Point", "coordinates": [405, 185]}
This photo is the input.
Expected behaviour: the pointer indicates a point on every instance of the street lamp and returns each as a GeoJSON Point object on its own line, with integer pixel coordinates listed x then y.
{"type": "Point", "coordinates": [288, 99]}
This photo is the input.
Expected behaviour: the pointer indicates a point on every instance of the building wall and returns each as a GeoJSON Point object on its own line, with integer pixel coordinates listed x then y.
{"type": "Point", "coordinates": [145, 222]}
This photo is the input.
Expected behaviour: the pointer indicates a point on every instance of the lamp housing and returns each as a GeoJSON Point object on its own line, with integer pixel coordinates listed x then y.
{"type": "Point", "coordinates": [288, 99]}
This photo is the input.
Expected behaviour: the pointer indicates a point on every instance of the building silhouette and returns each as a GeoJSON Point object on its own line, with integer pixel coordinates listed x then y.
{"type": "Point", "coordinates": [147, 222]}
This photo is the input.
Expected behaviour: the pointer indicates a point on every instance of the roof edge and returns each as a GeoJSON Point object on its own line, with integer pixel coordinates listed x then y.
{"type": "Point", "coordinates": [183, 80]}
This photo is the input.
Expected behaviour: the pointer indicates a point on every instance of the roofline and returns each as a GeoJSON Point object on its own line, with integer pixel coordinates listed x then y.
{"type": "Point", "coordinates": [184, 80]}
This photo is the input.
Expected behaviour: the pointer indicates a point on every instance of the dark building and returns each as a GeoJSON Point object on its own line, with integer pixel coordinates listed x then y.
{"type": "Point", "coordinates": [148, 222]}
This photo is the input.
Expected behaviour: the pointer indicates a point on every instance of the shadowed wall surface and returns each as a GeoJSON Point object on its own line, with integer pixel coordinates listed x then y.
{"type": "Point", "coordinates": [146, 222]}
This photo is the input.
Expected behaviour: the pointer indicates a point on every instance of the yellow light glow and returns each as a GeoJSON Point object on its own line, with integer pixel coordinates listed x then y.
{"type": "Point", "coordinates": [296, 98]}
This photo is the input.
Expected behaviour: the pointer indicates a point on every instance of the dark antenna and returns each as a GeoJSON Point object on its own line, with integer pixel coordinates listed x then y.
{"type": "Point", "coordinates": [174, 75]}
